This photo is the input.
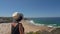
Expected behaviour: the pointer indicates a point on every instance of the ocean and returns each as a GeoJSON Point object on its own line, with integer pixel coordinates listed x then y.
{"type": "Point", "coordinates": [46, 21]}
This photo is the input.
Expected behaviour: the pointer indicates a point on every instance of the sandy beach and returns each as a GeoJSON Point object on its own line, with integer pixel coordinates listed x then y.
{"type": "Point", "coordinates": [42, 29]}
{"type": "Point", "coordinates": [29, 27]}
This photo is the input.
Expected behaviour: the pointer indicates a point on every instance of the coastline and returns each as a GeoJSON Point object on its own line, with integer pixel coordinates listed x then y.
{"type": "Point", "coordinates": [30, 27]}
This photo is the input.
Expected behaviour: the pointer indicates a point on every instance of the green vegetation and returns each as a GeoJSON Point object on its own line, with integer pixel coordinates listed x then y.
{"type": "Point", "coordinates": [55, 31]}
{"type": "Point", "coordinates": [38, 32]}
{"type": "Point", "coordinates": [30, 33]}
{"type": "Point", "coordinates": [5, 19]}
{"type": "Point", "coordinates": [8, 19]}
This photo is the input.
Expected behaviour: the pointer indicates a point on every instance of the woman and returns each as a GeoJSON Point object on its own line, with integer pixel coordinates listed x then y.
{"type": "Point", "coordinates": [17, 27]}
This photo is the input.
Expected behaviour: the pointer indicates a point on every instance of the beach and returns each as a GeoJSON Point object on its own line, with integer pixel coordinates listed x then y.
{"type": "Point", "coordinates": [30, 27]}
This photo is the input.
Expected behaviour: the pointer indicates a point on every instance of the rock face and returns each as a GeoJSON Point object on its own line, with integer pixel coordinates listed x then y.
{"type": "Point", "coordinates": [5, 28]}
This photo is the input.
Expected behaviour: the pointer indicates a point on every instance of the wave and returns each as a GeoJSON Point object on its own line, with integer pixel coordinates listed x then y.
{"type": "Point", "coordinates": [32, 22]}
{"type": "Point", "coordinates": [49, 25]}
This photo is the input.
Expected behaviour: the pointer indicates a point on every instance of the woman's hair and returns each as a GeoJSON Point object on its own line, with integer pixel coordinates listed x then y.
{"type": "Point", "coordinates": [18, 15]}
{"type": "Point", "coordinates": [19, 19]}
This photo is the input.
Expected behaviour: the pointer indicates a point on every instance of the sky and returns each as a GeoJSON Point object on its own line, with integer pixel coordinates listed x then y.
{"type": "Point", "coordinates": [30, 8]}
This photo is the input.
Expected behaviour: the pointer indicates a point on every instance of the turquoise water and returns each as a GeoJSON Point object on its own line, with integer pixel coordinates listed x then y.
{"type": "Point", "coordinates": [47, 21]}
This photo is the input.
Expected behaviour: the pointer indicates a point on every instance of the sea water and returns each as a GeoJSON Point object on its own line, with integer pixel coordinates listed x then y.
{"type": "Point", "coordinates": [46, 21]}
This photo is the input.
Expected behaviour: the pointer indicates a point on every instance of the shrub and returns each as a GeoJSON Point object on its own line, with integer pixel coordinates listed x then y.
{"type": "Point", "coordinates": [30, 33]}
{"type": "Point", "coordinates": [37, 32]}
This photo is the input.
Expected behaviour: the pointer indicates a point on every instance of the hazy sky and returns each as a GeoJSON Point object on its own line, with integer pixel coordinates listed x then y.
{"type": "Point", "coordinates": [31, 8]}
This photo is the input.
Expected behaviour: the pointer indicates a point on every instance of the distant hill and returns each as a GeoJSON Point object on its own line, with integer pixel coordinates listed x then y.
{"type": "Point", "coordinates": [9, 19]}
{"type": "Point", "coordinates": [5, 19]}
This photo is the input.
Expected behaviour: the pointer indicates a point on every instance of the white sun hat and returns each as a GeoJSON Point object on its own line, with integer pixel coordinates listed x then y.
{"type": "Point", "coordinates": [16, 15]}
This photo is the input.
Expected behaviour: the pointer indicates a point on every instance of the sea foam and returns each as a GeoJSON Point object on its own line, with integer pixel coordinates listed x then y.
{"type": "Point", "coordinates": [49, 25]}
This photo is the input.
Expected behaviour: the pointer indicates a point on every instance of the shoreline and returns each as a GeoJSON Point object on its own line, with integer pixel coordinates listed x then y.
{"type": "Point", "coordinates": [30, 27]}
